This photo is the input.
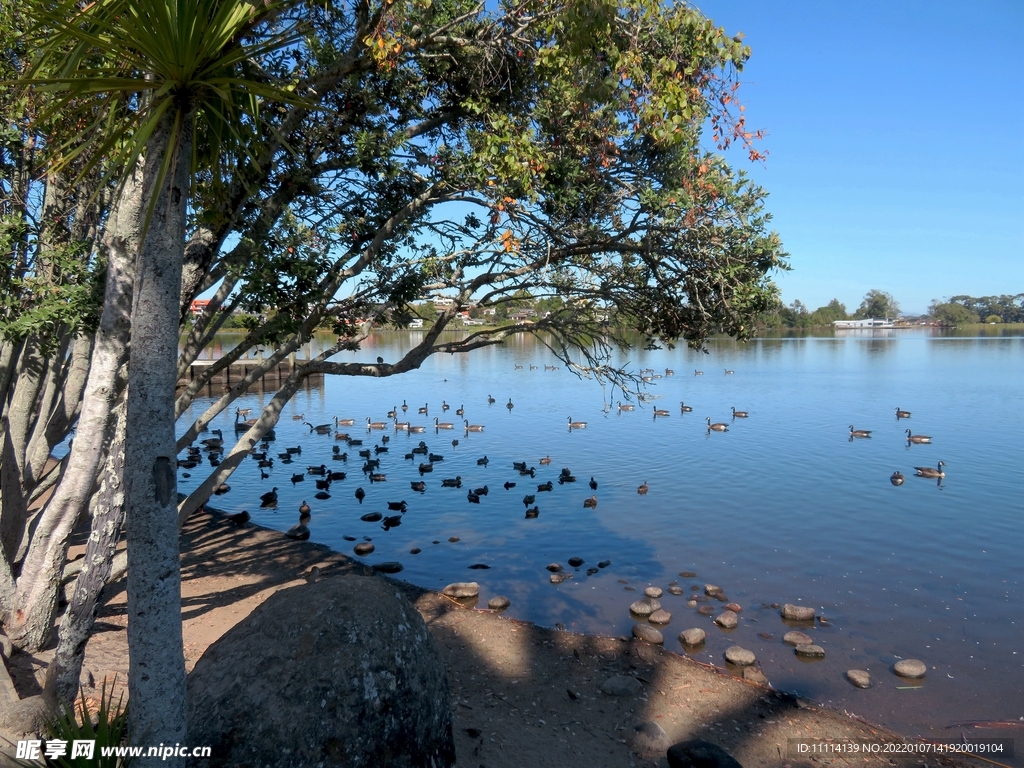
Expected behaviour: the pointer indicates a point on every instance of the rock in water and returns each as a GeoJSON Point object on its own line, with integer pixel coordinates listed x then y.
{"type": "Point", "coordinates": [741, 657]}
{"type": "Point", "coordinates": [727, 620]}
{"type": "Point", "coordinates": [691, 637]}
{"type": "Point", "coordinates": [797, 638]}
{"type": "Point", "coordinates": [700, 754]}
{"type": "Point", "coordinates": [648, 634]}
{"type": "Point", "coordinates": [911, 668]}
{"type": "Point", "coordinates": [342, 672]}
{"type": "Point", "coordinates": [859, 678]}
{"type": "Point", "coordinates": [797, 612]}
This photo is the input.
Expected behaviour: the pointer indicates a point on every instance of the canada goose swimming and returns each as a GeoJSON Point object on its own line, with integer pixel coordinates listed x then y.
{"type": "Point", "coordinates": [404, 425]}
{"type": "Point", "coordinates": [669, 372]}
{"type": "Point", "coordinates": [320, 429]}
{"type": "Point", "coordinates": [739, 414]}
{"type": "Point", "coordinates": [299, 417]}
{"type": "Point", "coordinates": [859, 432]}
{"type": "Point", "coordinates": [717, 426]}
{"type": "Point", "coordinates": [642, 490]}
{"type": "Point", "coordinates": [510, 405]}
{"type": "Point", "coordinates": [341, 436]}
{"type": "Point", "coordinates": [728, 372]}
{"type": "Point", "coordinates": [698, 373]}
{"type": "Point", "coordinates": [423, 410]}
{"type": "Point", "coordinates": [490, 399]}
{"type": "Point", "coordinates": [917, 439]}
{"type": "Point", "coordinates": [443, 424]}
{"type": "Point", "coordinates": [375, 424]}
{"type": "Point", "coordinates": [896, 479]}
{"type": "Point", "coordinates": [625, 407]}
{"type": "Point", "coordinates": [590, 503]}
{"type": "Point", "coordinates": [460, 411]}
{"type": "Point", "coordinates": [243, 411]}
{"type": "Point", "coordinates": [344, 422]}
{"type": "Point", "coordinates": [660, 412]}
{"type": "Point", "coordinates": [417, 430]}
{"type": "Point", "coordinates": [684, 408]}
{"type": "Point", "coordinates": [902, 414]}
{"type": "Point", "coordinates": [393, 413]}
{"type": "Point", "coordinates": [929, 472]}
{"type": "Point", "coordinates": [405, 406]}
{"type": "Point", "coordinates": [577, 424]}
{"type": "Point", "coordinates": [473, 427]}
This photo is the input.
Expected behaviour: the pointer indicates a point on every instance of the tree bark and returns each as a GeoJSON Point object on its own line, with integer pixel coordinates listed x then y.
{"type": "Point", "coordinates": [156, 672]}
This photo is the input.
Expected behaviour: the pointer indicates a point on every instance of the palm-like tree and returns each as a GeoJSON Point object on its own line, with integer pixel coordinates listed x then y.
{"type": "Point", "coordinates": [144, 77]}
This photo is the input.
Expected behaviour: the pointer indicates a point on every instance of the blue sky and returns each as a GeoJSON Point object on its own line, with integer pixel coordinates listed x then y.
{"type": "Point", "coordinates": [894, 139]}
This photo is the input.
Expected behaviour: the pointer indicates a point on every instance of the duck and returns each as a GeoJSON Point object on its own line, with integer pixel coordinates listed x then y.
{"type": "Point", "coordinates": [442, 424]}
{"type": "Point", "coordinates": [528, 499]}
{"type": "Point", "coordinates": [241, 518]}
{"type": "Point", "coordinates": [739, 414]}
{"type": "Point", "coordinates": [296, 451]}
{"type": "Point", "coordinates": [483, 491]}
{"type": "Point", "coordinates": [590, 503]}
{"type": "Point", "coordinates": [532, 514]}
{"type": "Point", "coordinates": [455, 443]}
{"type": "Point", "coordinates": [660, 412]}
{"type": "Point", "coordinates": [380, 449]}
{"type": "Point", "coordinates": [483, 462]}
{"type": "Point", "coordinates": [509, 484]}
{"type": "Point", "coordinates": [577, 424]}
{"type": "Point", "coordinates": [473, 427]}
{"type": "Point", "coordinates": [324, 484]}
{"type": "Point", "coordinates": [298, 478]}
{"type": "Point", "coordinates": [452, 482]}
{"type": "Point", "coordinates": [269, 496]}
{"type": "Point", "coordinates": [548, 486]}
{"type": "Point", "coordinates": [321, 470]}
{"type": "Point", "coordinates": [917, 439]}
{"type": "Point", "coordinates": [433, 458]}
{"type": "Point", "coordinates": [642, 490]}
{"type": "Point", "coordinates": [337, 475]}
{"type": "Point", "coordinates": [221, 489]}
{"type": "Point", "coordinates": [717, 426]}
{"type": "Point", "coordinates": [859, 432]}
{"type": "Point", "coordinates": [684, 408]}
{"type": "Point", "coordinates": [593, 483]}
{"type": "Point", "coordinates": [360, 494]}
{"type": "Point", "coordinates": [397, 506]}
{"type": "Point", "coordinates": [322, 495]}
{"type": "Point", "coordinates": [625, 407]}
{"type": "Point", "coordinates": [424, 468]}
{"type": "Point", "coordinates": [418, 485]}
{"type": "Point", "coordinates": [545, 461]}
{"type": "Point", "coordinates": [265, 463]}
{"type": "Point", "coordinates": [378, 477]}
{"type": "Point", "coordinates": [473, 498]}
{"type": "Point", "coordinates": [902, 414]}
{"type": "Point", "coordinates": [897, 478]}
{"type": "Point", "coordinates": [299, 417]}
{"type": "Point", "coordinates": [929, 472]}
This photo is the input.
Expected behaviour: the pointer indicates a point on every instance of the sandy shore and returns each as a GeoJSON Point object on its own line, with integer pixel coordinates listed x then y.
{"type": "Point", "coordinates": [521, 695]}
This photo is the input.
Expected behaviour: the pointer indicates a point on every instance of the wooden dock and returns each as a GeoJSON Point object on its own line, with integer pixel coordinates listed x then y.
{"type": "Point", "coordinates": [239, 369]}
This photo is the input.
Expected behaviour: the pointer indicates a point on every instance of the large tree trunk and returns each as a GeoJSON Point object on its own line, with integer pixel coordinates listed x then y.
{"type": "Point", "coordinates": [75, 627]}
{"type": "Point", "coordinates": [156, 674]}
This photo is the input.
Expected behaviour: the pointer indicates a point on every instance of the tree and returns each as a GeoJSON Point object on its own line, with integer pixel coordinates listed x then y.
{"type": "Point", "coordinates": [828, 314]}
{"type": "Point", "coordinates": [951, 313]}
{"type": "Point", "coordinates": [421, 149]}
{"type": "Point", "coordinates": [878, 304]}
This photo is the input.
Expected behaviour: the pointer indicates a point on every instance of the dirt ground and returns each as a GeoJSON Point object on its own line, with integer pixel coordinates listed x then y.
{"type": "Point", "coordinates": [521, 695]}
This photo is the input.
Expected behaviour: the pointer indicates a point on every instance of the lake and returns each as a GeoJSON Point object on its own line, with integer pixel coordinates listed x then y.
{"type": "Point", "coordinates": [785, 507]}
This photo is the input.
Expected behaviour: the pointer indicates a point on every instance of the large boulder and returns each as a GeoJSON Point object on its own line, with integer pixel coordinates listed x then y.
{"type": "Point", "coordinates": [341, 672]}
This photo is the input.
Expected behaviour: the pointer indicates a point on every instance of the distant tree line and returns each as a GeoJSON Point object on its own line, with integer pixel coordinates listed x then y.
{"type": "Point", "coordinates": [875, 303]}
{"type": "Point", "coordinates": [959, 310]}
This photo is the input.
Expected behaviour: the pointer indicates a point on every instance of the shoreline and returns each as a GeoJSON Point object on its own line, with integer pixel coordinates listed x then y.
{"type": "Point", "coordinates": [521, 694]}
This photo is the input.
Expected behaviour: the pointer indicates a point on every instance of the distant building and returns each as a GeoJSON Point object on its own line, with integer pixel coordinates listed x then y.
{"type": "Point", "coordinates": [870, 322]}
{"type": "Point", "coordinates": [442, 301]}
{"type": "Point", "coordinates": [198, 305]}
{"type": "Point", "coordinates": [417, 323]}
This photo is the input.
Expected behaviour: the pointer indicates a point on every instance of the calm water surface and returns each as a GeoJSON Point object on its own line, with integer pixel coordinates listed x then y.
{"type": "Point", "coordinates": [781, 508]}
